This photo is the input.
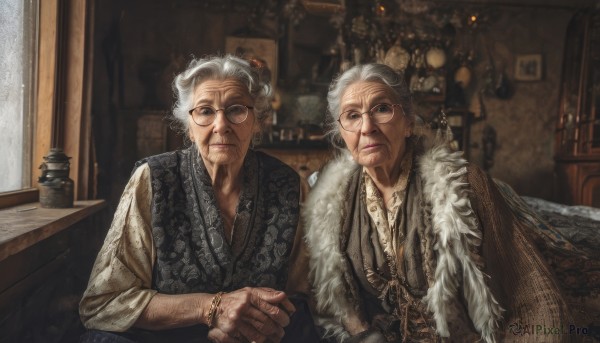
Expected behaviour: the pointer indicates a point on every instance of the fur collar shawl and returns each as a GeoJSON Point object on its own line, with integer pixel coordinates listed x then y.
{"type": "Point", "coordinates": [454, 223]}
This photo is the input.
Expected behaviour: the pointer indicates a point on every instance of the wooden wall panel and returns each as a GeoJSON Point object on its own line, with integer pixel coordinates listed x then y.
{"type": "Point", "coordinates": [62, 116]}
{"type": "Point", "coordinates": [76, 114]}
{"type": "Point", "coordinates": [46, 84]}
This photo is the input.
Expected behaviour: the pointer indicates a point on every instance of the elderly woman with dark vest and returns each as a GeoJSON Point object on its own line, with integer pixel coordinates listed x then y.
{"type": "Point", "coordinates": [201, 243]}
{"type": "Point", "coordinates": [408, 242]}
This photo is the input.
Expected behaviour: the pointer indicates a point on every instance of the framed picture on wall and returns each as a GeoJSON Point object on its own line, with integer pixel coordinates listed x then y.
{"type": "Point", "coordinates": [263, 50]}
{"type": "Point", "coordinates": [528, 67]}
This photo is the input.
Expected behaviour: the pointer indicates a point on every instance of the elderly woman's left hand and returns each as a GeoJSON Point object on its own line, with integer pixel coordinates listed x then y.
{"type": "Point", "coordinates": [252, 315]}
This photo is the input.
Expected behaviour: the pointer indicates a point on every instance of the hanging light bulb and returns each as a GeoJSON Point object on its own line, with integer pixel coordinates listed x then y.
{"type": "Point", "coordinates": [380, 9]}
{"type": "Point", "coordinates": [473, 20]}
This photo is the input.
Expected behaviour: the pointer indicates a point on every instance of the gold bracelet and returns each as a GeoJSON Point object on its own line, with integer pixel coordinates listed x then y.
{"type": "Point", "coordinates": [214, 305]}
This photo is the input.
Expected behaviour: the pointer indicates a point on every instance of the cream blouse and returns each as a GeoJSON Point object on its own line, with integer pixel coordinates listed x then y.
{"type": "Point", "coordinates": [119, 288]}
{"type": "Point", "coordinates": [385, 217]}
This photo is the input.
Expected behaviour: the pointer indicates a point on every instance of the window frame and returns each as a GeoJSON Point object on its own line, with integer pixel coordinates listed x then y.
{"type": "Point", "coordinates": [63, 98]}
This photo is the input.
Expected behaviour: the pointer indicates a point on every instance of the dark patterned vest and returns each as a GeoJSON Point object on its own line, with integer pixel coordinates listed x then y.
{"type": "Point", "coordinates": [192, 254]}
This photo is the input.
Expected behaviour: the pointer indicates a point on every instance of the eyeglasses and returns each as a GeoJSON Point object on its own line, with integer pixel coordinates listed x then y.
{"type": "Point", "coordinates": [205, 115]}
{"type": "Point", "coordinates": [381, 113]}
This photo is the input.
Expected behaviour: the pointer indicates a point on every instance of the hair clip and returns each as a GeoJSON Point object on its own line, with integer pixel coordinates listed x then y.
{"type": "Point", "coordinates": [256, 63]}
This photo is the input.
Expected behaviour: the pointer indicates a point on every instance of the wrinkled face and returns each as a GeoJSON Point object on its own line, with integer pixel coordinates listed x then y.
{"type": "Point", "coordinates": [374, 145]}
{"type": "Point", "coordinates": [222, 142]}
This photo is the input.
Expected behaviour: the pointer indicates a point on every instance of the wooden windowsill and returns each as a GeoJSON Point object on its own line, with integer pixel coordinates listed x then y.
{"type": "Point", "coordinates": [25, 225]}
{"type": "Point", "coordinates": [9, 199]}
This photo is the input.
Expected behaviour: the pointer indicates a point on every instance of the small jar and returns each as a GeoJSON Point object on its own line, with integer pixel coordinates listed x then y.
{"type": "Point", "coordinates": [56, 188]}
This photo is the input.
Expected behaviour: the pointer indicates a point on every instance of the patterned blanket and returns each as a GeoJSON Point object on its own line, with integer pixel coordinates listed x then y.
{"type": "Point", "coordinates": [580, 225]}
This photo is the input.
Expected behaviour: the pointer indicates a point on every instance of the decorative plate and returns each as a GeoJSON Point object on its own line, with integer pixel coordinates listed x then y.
{"type": "Point", "coordinates": [397, 57]}
{"type": "Point", "coordinates": [435, 57]}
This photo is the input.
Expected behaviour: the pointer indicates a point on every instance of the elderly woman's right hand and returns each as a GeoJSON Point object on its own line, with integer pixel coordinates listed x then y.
{"type": "Point", "coordinates": [252, 315]}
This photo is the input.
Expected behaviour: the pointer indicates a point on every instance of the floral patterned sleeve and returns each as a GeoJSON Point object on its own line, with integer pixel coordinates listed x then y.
{"type": "Point", "coordinates": [120, 284]}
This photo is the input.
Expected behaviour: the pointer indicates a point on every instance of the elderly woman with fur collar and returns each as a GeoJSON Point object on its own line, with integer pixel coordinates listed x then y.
{"type": "Point", "coordinates": [407, 240]}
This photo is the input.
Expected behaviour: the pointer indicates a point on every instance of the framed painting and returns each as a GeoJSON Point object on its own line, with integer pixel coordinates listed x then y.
{"type": "Point", "coordinates": [528, 67]}
{"type": "Point", "coordinates": [263, 50]}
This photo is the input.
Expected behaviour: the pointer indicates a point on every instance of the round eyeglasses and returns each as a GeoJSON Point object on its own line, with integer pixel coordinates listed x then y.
{"type": "Point", "coordinates": [381, 113]}
{"type": "Point", "coordinates": [205, 115]}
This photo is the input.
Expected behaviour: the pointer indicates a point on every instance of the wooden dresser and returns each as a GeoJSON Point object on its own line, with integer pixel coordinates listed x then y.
{"type": "Point", "coordinates": [578, 126]}
{"type": "Point", "coordinates": [305, 160]}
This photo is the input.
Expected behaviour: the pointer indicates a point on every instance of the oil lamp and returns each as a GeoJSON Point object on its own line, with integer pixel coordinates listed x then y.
{"type": "Point", "coordinates": [56, 188]}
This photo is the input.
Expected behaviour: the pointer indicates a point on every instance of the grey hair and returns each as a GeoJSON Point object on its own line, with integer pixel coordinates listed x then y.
{"type": "Point", "coordinates": [365, 72]}
{"type": "Point", "coordinates": [219, 68]}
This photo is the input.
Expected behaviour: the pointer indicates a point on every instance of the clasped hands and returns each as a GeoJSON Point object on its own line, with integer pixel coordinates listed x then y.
{"type": "Point", "coordinates": [251, 315]}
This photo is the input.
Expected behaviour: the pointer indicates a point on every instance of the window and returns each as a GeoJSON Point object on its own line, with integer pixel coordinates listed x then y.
{"type": "Point", "coordinates": [45, 54]}
{"type": "Point", "coordinates": [18, 63]}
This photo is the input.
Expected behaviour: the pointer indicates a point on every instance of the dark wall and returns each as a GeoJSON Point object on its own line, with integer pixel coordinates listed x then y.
{"type": "Point", "coordinates": [525, 122]}
{"type": "Point", "coordinates": [140, 45]}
